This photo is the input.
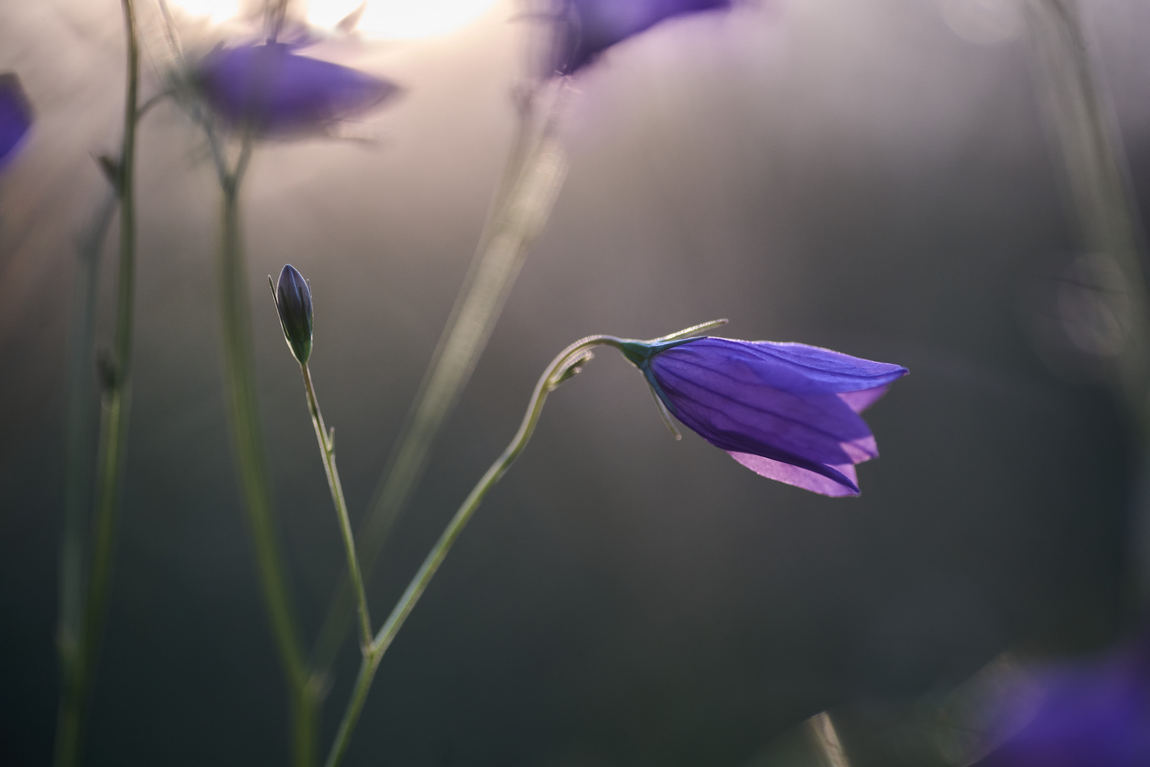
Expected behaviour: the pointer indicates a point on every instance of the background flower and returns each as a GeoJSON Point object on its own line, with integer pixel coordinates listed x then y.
{"type": "Point", "coordinates": [270, 89]}
{"type": "Point", "coordinates": [15, 116]}
{"type": "Point", "coordinates": [1092, 713]}
{"type": "Point", "coordinates": [588, 27]}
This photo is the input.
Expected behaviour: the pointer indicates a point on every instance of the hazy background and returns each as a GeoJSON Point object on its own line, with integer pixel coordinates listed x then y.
{"type": "Point", "coordinates": [877, 177]}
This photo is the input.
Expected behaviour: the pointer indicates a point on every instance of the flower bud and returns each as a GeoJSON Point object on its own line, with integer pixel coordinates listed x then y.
{"type": "Point", "coordinates": [293, 301]}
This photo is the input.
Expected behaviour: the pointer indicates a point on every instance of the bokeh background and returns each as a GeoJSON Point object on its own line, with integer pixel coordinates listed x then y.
{"type": "Point", "coordinates": [879, 177]}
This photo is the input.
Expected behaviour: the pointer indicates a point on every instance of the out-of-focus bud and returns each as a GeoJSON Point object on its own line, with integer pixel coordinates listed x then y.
{"type": "Point", "coordinates": [293, 301]}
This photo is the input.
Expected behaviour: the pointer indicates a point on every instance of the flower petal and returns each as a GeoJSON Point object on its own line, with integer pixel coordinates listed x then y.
{"type": "Point", "coordinates": [788, 366]}
{"type": "Point", "coordinates": [845, 484]}
{"type": "Point", "coordinates": [739, 413]}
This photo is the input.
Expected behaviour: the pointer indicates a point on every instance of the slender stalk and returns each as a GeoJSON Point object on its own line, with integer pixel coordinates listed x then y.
{"type": "Point", "coordinates": [825, 737]}
{"type": "Point", "coordinates": [527, 192]}
{"type": "Point", "coordinates": [1090, 150]}
{"type": "Point", "coordinates": [567, 363]}
{"type": "Point", "coordinates": [247, 442]}
{"type": "Point", "coordinates": [79, 651]}
{"type": "Point", "coordinates": [326, 442]}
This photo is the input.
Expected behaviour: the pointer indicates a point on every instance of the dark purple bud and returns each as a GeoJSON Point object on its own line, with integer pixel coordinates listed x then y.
{"type": "Point", "coordinates": [269, 89]}
{"type": "Point", "coordinates": [786, 411]}
{"type": "Point", "coordinates": [15, 117]}
{"type": "Point", "coordinates": [1093, 713]}
{"type": "Point", "coordinates": [588, 27]}
{"type": "Point", "coordinates": [293, 301]}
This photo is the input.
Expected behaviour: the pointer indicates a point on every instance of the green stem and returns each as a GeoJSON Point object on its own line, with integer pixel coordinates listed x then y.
{"type": "Point", "coordinates": [1089, 148]}
{"type": "Point", "coordinates": [526, 194]}
{"type": "Point", "coordinates": [825, 737]}
{"type": "Point", "coordinates": [561, 368]}
{"type": "Point", "coordinates": [326, 440]}
{"type": "Point", "coordinates": [79, 650]}
{"type": "Point", "coordinates": [248, 447]}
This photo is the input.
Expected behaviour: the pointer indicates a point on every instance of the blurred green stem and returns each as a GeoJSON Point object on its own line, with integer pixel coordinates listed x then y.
{"type": "Point", "coordinates": [326, 440]}
{"type": "Point", "coordinates": [1092, 157]}
{"type": "Point", "coordinates": [247, 442]}
{"type": "Point", "coordinates": [826, 739]}
{"type": "Point", "coordinates": [82, 617]}
{"type": "Point", "coordinates": [566, 364]}
{"type": "Point", "coordinates": [526, 194]}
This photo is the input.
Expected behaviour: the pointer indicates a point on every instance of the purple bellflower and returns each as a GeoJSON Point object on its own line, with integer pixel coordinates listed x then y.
{"type": "Point", "coordinates": [588, 27]}
{"type": "Point", "coordinates": [786, 411]}
{"type": "Point", "coordinates": [1086, 714]}
{"type": "Point", "coordinates": [271, 90]}
{"type": "Point", "coordinates": [15, 116]}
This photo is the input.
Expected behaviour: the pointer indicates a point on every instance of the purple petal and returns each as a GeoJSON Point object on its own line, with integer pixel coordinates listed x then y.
{"type": "Point", "coordinates": [15, 116]}
{"type": "Point", "coordinates": [589, 27]}
{"type": "Point", "coordinates": [790, 366]}
{"type": "Point", "coordinates": [746, 416]}
{"type": "Point", "coordinates": [271, 89]}
{"type": "Point", "coordinates": [859, 401]}
{"type": "Point", "coordinates": [816, 481]}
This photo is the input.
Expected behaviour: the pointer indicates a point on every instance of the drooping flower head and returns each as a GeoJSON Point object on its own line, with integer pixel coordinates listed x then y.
{"type": "Point", "coordinates": [588, 27]}
{"type": "Point", "coordinates": [15, 116]}
{"type": "Point", "coordinates": [269, 89]}
{"type": "Point", "coordinates": [293, 302]}
{"type": "Point", "coordinates": [786, 411]}
{"type": "Point", "coordinates": [1093, 713]}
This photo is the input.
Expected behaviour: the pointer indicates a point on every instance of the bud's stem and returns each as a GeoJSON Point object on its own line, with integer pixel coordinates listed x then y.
{"type": "Point", "coordinates": [557, 372]}
{"type": "Point", "coordinates": [327, 451]}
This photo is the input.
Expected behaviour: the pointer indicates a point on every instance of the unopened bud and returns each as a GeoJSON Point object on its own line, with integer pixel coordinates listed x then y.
{"type": "Point", "coordinates": [293, 301]}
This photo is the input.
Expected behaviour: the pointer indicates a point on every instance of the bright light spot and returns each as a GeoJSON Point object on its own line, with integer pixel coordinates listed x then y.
{"type": "Point", "coordinates": [380, 19]}
{"type": "Point", "coordinates": [215, 10]}
{"type": "Point", "coordinates": [399, 19]}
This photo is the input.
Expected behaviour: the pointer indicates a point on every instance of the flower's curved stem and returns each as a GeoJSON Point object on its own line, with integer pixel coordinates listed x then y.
{"type": "Point", "coordinates": [82, 620]}
{"type": "Point", "coordinates": [566, 364]}
{"type": "Point", "coordinates": [530, 184]}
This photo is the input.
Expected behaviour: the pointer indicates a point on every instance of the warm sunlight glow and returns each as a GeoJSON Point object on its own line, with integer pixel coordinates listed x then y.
{"type": "Point", "coordinates": [215, 10]}
{"type": "Point", "coordinates": [398, 19]}
{"type": "Point", "coordinates": [378, 19]}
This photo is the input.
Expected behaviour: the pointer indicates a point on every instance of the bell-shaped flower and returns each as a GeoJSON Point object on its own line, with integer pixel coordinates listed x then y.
{"type": "Point", "coordinates": [293, 302]}
{"type": "Point", "coordinates": [1093, 713]}
{"type": "Point", "coordinates": [269, 89]}
{"type": "Point", "coordinates": [786, 411]}
{"type": "Point", "coordinates": [588, 27]}
{"type": "Point", "coordinates": [15, 116]}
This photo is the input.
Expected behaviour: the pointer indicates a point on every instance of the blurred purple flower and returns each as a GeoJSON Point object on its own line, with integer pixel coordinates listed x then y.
{"type": "Point", "coordinates": [270, 89]}
{"type": "Point", "coordinates": [15, 116]}
{"type": "Point", "coordinates": [1086, 714]}
{"type": "Point", "coordinates": [786, 411]}
{"type": "Point", "coordinates": [588, 27]}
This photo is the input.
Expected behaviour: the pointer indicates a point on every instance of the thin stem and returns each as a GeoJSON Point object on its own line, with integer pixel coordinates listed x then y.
{"type": "Point", "coordinates": [1090, 150]}
{"type": "Point", "coordinates": [78, 658]}
{"type": "Point", "coordinates": [247, 442]}
{"type": "Point", "coordinates": [526, 193]}
{"type": "Point", "coordinates": [561, 368]}
{"type": "Point", "coordinates": [825, 737]}
{"type": "Point", "coordinates": [326, 442]}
